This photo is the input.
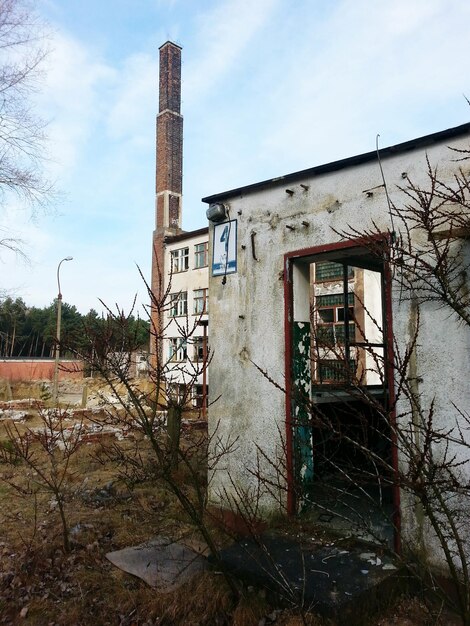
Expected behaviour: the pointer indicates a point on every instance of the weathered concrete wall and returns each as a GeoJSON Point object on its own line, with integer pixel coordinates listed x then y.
{"type": "Point", "coordinates": [15, 370]}
{"type": "Point", "coordinates": [247, 312]}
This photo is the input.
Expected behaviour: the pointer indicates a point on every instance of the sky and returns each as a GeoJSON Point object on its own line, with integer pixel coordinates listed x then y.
{"type": "Point", "coordinates": [269, 87]}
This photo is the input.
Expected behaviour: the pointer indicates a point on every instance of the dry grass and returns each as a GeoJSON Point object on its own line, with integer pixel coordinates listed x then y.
{"type": "Point", "coordinates": [40, 584]}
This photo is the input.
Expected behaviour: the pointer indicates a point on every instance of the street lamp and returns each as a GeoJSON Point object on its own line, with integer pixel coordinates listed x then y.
{"type": "Point", "coordinates": [57, 336]}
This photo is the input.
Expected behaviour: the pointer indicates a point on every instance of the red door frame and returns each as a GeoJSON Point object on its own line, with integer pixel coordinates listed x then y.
{"type": "Point", "coordinates": [289, 258]}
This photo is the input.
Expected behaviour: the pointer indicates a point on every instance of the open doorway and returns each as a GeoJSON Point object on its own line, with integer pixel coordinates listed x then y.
{"type": "Point", "coordinates": [339, 414]}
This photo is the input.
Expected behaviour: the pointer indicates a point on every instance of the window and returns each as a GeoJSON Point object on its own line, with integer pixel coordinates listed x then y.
{"type": "Point", "coordinates": [329, 318]}
{"type": "Point", "coordinates": [201, 254]}
{"type": "Point", "coordinates": [334, 370]}
{"type": "Point", "coordinates": [201, 302]}
{"type": "Point", "coordinates": [180, 260]}
{"type": "Point", "coordinates": [178, 304]}
{"type": "Point", "coordinates": [328, 270]}
{"type": "Point", "coordinates": [178, 392]}
{"type": "Point", "coordinates": [199, 349]}
{"type": "Point", "coordinates": [178, 349]}
{"type": "Point", "coordinates": [198, 396]}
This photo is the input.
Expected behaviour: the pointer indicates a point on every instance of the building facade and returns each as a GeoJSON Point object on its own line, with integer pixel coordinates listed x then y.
{"type": "Point", "coordinates": [185, 319]}
{"type": "Point", "coordinates": [313, 321]}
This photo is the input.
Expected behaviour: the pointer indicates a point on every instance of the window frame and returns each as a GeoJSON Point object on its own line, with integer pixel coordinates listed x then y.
{"type": "Point", "coordinates": [198, 349]}
{"type": "Point", "coordinates": [179, 260]}
{"type": "Point", "coordinates": [198, 299]}
{"type": "Point", "coordinates": [178, 304]}
{"type": "Point", "coordinates": [336, 323]}
{"type": "Point", "coordinates": [198, 254]}
{"type": "Point", "coordinates": [177, 349]}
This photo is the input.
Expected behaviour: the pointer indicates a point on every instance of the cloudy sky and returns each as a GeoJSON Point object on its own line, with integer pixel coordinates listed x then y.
{"type": "Point", "coordinates": [269, 87]}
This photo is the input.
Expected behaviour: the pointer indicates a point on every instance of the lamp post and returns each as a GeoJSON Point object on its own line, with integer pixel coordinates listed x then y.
{"type": "Point", "coordinates": [57, 336]}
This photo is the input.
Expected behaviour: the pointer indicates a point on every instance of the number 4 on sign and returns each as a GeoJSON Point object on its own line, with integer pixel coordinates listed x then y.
{"type": "Point", "coordinates": [224, 235]}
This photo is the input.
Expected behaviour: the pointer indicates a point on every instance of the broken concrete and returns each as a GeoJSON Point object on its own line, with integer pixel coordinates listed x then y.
{"type": "Point", "coordinates": [161, 563]}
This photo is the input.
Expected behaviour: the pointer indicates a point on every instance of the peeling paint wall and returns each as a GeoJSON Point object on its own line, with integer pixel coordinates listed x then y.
{"type": "Point", "coordinates": [247, 312]}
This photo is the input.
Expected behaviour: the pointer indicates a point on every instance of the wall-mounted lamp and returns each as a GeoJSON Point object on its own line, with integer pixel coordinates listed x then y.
{"type": "Point", "coordinates": [216, 212]}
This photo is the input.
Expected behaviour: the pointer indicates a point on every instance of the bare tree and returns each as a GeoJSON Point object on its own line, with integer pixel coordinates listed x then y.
{"type": "Point", "coordinates": [22, 135]}
{"type": "Point", "coordinates": [152, 411]}
{"type": "Point", "coordinates": [47, 452]}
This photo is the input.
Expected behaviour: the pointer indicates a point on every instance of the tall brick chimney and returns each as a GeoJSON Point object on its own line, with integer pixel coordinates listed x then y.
{"type": "Point", "coordinates": [168, 178]}
{"type": "Point", "coordinates": [169, 174]}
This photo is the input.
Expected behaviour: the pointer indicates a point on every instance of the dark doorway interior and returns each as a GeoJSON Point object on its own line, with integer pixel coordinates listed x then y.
{"type": "Point", "coordinates": [342, 438]}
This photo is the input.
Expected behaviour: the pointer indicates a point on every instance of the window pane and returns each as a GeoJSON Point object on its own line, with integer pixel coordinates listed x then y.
{"type": "Point", "coordinates": [333, 300]}
{"type": "Point", "coordinates": [330, 271]}
{"type": "Point", "coordinates": [178, 304]}
{"type": "Point", "coordinates": [200, 301]}
{"type": "Point", "coordinates": [180, 260]}
{"type": "Point", "coordinates": [334, 370]}
{"type": "Point", "coordinates": [200, 254]}
{"type": "Point", "coordinates": [340, 313]}
{"type": "Point", "coordinates": [326, 315]}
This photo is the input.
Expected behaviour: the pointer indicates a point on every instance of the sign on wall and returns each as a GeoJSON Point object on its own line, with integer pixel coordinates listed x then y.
{"type": "Point", "coordinates": [224, 260]}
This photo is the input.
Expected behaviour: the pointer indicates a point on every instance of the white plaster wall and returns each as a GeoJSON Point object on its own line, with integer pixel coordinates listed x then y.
{"type": "Point", "coordinates": [188, 281]}
{"type": "Point", "coordinates": [373, 326]}
{"type": "Point", "coordinates": [247, 313]}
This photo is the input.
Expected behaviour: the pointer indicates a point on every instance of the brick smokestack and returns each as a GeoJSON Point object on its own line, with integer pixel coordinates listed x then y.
{"type": "Point", "coordinates": [169, 174]}
{"type": "Point", "coordinates": [168, 179]}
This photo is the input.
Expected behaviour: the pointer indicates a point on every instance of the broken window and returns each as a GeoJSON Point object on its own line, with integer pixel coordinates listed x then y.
{"type": "Point", "coordinates": [177, 349]}
{"type": "Point", "coordinates": [346, 321]}
{"type": "Point", "coordinates": [178, 392]}
{"type": "Point", "coordinates": [198, 396]}
{"type": "Point", "coordinates": [198, 349]}
{"type": "Point", "coordinates": [179, 260]}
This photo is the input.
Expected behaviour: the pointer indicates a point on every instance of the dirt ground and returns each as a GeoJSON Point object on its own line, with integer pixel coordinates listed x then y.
{"type": "Point", "coordinates": [42, 584]}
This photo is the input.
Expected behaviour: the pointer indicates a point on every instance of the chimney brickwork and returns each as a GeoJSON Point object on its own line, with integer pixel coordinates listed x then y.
{"type": "Point", "coordinates": [168, 176]}
{"type": "Point", "coordinates": [169, 171]}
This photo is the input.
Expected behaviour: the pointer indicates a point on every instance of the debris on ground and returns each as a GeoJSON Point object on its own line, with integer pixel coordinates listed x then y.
{"type": "Point", "coordinates": [161, 563]}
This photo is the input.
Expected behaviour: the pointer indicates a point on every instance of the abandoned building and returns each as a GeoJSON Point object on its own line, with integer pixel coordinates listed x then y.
{"type": "Point", "coordinates": [179, 259]}
{"type": "Point", "coordinates": [307, 320]}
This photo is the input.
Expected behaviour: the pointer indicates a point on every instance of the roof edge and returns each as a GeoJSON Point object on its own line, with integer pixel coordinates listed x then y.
{"type": "Point", "coordinates": [168, 41]}
{"type": "Point", "coordinates": [358, 159]}
{"type": "Point", "coordinates": [186, 235]}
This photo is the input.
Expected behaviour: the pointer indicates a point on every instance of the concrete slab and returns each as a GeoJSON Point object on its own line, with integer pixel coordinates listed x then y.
{"type": "Point", "coordinates": [334, 582]}
{"type": "Point", "coordinates": [161, 563]}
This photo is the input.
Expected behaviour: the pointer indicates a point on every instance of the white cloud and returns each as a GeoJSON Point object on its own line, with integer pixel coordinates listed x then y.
{"type": "Point", "coordinates": [222, 35]}
{"type": "Point", "coordinates": [73, 98]}
{"type": "Point", "coordinates": [134, 98]}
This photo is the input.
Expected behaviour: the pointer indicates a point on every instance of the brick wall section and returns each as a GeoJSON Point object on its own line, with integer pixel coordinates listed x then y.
{"type": "Point", "coordinates": [169, 174]}
{"type": "Point", "coordinates": [28, 370]}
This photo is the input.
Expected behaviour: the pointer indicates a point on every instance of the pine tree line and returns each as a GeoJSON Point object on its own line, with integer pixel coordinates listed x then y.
{"type": "Point", "coordinates": [28, 331]}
